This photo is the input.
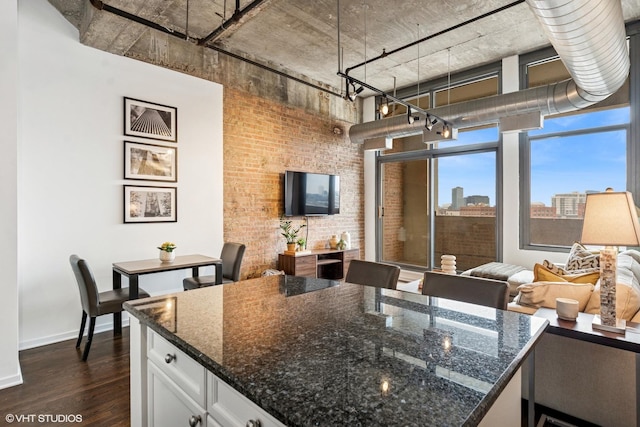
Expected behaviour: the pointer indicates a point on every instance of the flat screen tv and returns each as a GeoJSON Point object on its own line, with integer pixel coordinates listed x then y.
{"type": "Point", "coordinates": [311, 194]}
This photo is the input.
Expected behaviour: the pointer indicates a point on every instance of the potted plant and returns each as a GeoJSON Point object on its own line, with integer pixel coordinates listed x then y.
{"type": "Point", "coordinates": [167, 253]}
{"type": "Point", "coordinates": [290, 233]}
{"type": "Point", "coordinates": [302, 244]}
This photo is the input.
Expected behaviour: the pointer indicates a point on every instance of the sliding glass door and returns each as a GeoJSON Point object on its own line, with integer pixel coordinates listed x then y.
{"type": "Point", "coordinates": [437, 201]}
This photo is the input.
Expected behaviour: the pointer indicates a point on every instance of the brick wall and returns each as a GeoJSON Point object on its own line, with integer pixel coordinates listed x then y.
{"type": "Point", "coordinates": [262, 139]}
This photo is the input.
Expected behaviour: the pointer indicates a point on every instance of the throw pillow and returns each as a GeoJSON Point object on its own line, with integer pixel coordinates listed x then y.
{"type": "Point", "coordinates": [544, 294]}
{"type": "Point", "coordinates": [627, 302]}
{"type": "Point", "coordinates": [581, 257]}
{"type": "Point", "coordinates": [562, 271]}
{"type": "Point", "coordinates": [542, 274]}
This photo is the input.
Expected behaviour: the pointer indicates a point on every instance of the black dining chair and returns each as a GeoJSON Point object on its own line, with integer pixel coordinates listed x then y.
{"type": "Point", "coordinates": [231, 256]}
{"type": "Point", "coordinates": [95, 303]}
{"type": "Point", "coordinates": [374, 274]}
{"type": "Point", "coordinates": [474, 290]}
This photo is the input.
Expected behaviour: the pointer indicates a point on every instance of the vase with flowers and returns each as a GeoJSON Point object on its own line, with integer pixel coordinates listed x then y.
{"type": "Point", "coordinates": [290, 233]}
{"type": "Point", "coordinates": [167, 253]}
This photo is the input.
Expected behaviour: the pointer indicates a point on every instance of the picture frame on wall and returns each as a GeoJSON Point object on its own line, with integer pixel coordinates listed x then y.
{"type": "Point", "coordinates": [148, 120]}
{"type": "Point", "coordinates": [150, 162]}
{"type": "Point", "coordinates": [150, 204]}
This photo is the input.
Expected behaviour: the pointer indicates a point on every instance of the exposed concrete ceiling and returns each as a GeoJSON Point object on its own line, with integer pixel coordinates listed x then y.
{"type": "Point", "coordinates": [300, 38]}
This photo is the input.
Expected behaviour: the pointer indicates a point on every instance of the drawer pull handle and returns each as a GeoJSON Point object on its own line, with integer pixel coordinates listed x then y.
{"type": "Point", "coordinates": [169, 358]}
{"type": "Point", "coordinates": [194, 420]}
{"type": "Point", "coordinates": [254, 423]}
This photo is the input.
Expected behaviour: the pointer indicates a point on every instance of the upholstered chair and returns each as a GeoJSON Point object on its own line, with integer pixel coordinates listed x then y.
{"type": "Point", "coordinates": [474, 290]}
{"type": "Point", "coordinates": [373, 274]}
{"type": "Point", "coordinates": [231, 256]}
{"type": "Point", "coordinates": [95, 303]}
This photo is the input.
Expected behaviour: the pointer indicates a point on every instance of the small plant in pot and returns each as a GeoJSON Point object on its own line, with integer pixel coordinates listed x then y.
{"type": "Point", "coordinates": [290, 233]}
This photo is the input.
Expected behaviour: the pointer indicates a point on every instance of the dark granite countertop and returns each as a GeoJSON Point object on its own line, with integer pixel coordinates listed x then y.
{"type": "Point", "coordinates": [315, 352]}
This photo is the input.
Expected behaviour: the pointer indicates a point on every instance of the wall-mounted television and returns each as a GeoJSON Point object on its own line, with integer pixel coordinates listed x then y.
{"type": "Point", "coordinates": [309, 194]}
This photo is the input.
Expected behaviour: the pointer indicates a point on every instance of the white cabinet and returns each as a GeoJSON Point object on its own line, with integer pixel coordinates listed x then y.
{"type": "Point", "coordinates": [188, 374]}
{"type": "Point", "coordinates": [230, 408]}
{"type": "Point", "coordinates": [181, 392]}
{"type": "Point", "coordinates": [170, 406]}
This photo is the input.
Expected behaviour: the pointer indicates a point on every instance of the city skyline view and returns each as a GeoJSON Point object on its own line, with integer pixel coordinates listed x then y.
{"type": "Point", "coordinates": [564, 158]}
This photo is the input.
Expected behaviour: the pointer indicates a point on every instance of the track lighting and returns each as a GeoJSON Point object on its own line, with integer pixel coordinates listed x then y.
{"type": "Point", "coordinates": [353, 95]}
{"type": "Point", "coordinates": [428, 123]}
{"type": "Point", "coordinates": [410, 118]}
{"type": "Point", "coordinates": [384, 107]}
{"type": "Point", "coordinates": [446, 131]}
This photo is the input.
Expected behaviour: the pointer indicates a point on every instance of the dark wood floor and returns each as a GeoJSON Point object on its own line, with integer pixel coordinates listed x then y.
{"type": "Point", "coordinates": [57, 382]}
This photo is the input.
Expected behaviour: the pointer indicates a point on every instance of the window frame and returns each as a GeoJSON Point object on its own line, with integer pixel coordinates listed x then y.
{"type": "Point", "coordinates": [632, 129]}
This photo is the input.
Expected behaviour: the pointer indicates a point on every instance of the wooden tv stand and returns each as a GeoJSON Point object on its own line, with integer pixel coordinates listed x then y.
{"type": "Point", "coordinates": [324, 264]}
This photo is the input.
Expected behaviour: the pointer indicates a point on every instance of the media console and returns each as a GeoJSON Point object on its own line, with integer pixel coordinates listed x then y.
{"type": "Point", "coordinates": [323, 264]}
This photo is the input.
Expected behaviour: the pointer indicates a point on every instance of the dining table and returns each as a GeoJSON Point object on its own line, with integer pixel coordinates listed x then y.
{"type": "Point", "coordinates": [134, 269]}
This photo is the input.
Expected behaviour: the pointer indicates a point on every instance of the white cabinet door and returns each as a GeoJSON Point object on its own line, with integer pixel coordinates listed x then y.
{"type": "Point", "coordinates": [229, 408]}
{"type": "Point", "coordinates": [188, 374]}
{"type": "Point", "coordinates": [170, 406]}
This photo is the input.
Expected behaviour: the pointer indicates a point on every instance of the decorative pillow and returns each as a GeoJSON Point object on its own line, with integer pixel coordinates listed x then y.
{"type": "Point", "coordinates": [543, 274]}
{"type": "Point", "coordinates": [581, 257]}
{"type": "Point", "coordinates": [627, 302]}
{"type": "Point", "coordinates": [562, 271]}
{"type": "Point", "coordinates": [544, 294]}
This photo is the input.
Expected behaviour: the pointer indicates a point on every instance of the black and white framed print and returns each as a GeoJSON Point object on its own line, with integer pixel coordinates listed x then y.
{"type": "Point", "coordinates": [150, 204]}
{"type": "Point", "coordinates": [150, 162]}
{"type": "Point", "coordinates": [148, 120]}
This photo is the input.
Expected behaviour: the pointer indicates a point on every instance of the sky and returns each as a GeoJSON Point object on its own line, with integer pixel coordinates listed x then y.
{"type": "Point", "coordinates": [559, 164]}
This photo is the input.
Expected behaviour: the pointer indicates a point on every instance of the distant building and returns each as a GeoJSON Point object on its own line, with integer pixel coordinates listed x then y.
{"type": "Point", "coordinates": [477, 200]}
{"type": "Point", "coordinates": [539, 210]}
{"type": "Point", "coordinates": [569, 205]}
{"type": "Point", "coordinates": [477, 211]}
{"type": "Point", "coordinates": [457, 198]}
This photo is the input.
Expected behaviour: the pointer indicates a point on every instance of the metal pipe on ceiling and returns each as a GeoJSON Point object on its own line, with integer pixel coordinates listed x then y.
{"type": "Point", "coordinates": [100, 5]}
{"type": "Point", "coordinates": [590, 39]}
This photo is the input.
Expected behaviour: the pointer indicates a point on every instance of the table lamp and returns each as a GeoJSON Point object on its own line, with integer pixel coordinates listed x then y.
{"type": "Point", "coordinates": [610, 220]}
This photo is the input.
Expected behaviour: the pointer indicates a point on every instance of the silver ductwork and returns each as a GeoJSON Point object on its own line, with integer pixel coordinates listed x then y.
{"type": "Point", "coordinates": [590, 39]}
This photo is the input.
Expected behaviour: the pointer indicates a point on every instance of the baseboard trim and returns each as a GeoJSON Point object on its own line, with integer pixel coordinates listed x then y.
{"type": "Point", "coordinates": [11, 381]}
{"type": "Point", "coordinates": [52, 339]}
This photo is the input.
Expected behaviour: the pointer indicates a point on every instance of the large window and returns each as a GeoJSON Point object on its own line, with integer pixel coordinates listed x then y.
{"type": "Point", "coordinates": [574, 154]}
{"type": "Point", "coordinates": [439, 198]}
{"type": "Point", "coordinates": [439, 201]}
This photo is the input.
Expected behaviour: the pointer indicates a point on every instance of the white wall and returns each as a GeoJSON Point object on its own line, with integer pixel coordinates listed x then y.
{"type": "Point", "coordinates": [9, 366]}
{"type": "Point", "coordinates": [70, 170]}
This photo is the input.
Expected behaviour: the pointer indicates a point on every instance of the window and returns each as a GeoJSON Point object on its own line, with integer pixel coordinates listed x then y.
{"type": "Point", "coordinates": [574, 154]}
{"type": "Point", "coordinates": [441, 198]}
{"type": "Point", "coordinates": [440, 201]}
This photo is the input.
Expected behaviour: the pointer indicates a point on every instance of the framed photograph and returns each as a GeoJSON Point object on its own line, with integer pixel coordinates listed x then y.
{"type": "Point", "coordinates": [148, 120]}
{"type": "Point", "coordinates": [150, 204]}
{"type": "Point", "coordinates": [150, 162]}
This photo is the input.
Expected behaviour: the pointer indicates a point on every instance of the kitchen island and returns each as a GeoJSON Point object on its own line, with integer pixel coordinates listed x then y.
{"type": "Point", "coordinates": [296, 351]}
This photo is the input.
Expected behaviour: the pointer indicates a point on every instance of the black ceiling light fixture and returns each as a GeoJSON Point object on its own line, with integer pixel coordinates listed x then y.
{"type": "Point", "coordinates": [446, 131]}
{"type": "Point", "coordinates": [352, 95]}
{"type": "Point", "coordinates": [384, 106]}
{"type": "Point", "coordinates": [429, 123]}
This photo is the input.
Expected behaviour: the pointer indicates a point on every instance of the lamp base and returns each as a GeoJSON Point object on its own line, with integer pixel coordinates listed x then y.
{"type": "Point", "coordinates": [619, 328]}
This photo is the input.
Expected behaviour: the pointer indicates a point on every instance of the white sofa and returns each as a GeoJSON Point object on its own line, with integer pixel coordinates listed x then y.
{"type": "Point", "coordinates": [543, 293]}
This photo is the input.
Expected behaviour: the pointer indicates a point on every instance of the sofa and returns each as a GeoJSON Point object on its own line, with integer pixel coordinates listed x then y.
{"type": "Point", "coordinates": [580, 281]}
{"type": "Point", "coordinates": [591, 382]}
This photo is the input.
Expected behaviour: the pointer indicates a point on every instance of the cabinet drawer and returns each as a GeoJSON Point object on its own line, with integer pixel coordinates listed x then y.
{"type": "Point", "coordinates": [169, 405]}
{"type": "Point", "coordinates": [184, 371]}
{"type": "Point", "coordinates": [305, 266]}
{"type": "Point", "coordinates": [228, 407]}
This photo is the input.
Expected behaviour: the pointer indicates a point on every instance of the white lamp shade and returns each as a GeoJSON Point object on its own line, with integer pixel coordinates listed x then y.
{"type": "Point", "coordinates": [610, 219]}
